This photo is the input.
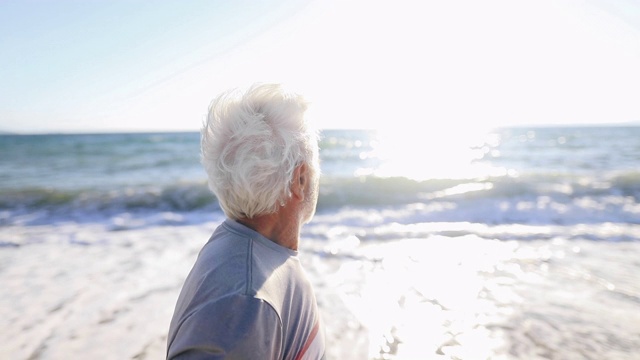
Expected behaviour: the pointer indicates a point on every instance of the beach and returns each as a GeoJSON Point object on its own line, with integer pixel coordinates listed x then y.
{"type": "Point", "coordinates": [75, 294]}
{"type": "Point", "coordinates": [111, 296]}
{"type": "Point", "coordinates": [531, 252]}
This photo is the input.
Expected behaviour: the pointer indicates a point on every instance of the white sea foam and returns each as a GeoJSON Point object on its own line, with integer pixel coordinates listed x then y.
{"type": "Point", "coordinates": [386, 289]}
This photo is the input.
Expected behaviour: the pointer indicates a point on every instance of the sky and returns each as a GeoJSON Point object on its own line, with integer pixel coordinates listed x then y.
{"type": "Point", "coordinates": [101, 66]}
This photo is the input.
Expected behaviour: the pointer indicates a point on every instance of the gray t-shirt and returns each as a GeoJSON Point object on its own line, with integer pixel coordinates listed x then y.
{"type": "Point", "coordinates": [245, 298]}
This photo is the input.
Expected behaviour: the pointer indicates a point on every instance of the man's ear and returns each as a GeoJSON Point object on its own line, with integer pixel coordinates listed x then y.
{"type": "Point", "coordinates": [300, 181]}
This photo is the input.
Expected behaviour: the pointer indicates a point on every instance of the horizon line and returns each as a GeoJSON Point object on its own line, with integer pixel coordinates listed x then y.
{"type": "Point", "coordinates": [177, 131]}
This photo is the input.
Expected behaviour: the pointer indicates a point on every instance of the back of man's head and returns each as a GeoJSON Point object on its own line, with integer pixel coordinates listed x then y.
{"type": "Point", "coordinates": [251, 143]}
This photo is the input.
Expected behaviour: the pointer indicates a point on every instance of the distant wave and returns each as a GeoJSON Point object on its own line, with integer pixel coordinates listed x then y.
{"type": "Point", "coordinates": [173, 198]}
{"type": "Point", "coordinates": [399, 190]}
{"type": "Point", "coordinates": [553, 198]}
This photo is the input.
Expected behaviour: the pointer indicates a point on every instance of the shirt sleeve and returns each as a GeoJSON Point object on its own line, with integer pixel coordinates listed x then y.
{"type": "Point", "coordinates": [234, 327]}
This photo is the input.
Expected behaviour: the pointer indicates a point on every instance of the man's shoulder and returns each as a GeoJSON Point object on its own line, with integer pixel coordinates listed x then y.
{"type": "Point", "coordinates": [239, 326]}
{"type": "Point", "coordinates": [235, 261]}
{"type": "Point", "coordinates": [224, 243]}
{"type": "Point", "coordinates": [233, 244]}
{"type": "Point", "coordinates": [223, 263]}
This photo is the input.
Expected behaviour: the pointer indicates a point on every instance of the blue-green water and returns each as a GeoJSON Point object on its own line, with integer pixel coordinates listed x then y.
{"type": "Point", "coordinates": [535, 175]}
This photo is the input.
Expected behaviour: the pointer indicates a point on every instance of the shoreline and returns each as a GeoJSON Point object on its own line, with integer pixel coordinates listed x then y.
{"type": "Point", "coordinates": [78, 290]}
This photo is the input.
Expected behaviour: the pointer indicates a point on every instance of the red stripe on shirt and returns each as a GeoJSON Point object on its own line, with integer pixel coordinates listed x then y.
{"type": "Point", "coordinates": [312, 336]}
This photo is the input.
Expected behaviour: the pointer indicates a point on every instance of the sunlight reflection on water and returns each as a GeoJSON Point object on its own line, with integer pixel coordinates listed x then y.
{"type": "Point", "coordinates": [440, 154]}
{"type": "Point", "coordinates": [417, 295]}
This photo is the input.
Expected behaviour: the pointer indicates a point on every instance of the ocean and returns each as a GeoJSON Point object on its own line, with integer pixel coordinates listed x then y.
{"type": "Point", "coordinates": [511, 243]}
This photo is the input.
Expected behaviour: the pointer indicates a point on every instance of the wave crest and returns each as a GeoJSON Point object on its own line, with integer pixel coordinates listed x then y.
{"type": "Point", "coordinates": [548, 198]}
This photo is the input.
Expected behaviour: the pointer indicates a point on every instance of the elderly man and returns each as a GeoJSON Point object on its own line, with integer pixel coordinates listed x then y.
{"type": "Point", "coordinates": [247, 296]}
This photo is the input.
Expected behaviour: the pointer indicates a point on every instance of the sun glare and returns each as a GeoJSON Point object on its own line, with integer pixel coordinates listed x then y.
{"type": "Point", "coordinates": [440, 153]}
{"type": "Point", "coordinates": [425, 310]}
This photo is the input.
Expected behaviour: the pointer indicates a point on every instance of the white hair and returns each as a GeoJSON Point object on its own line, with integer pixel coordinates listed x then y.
{"type": "Point", "coordinates": [251, 143]}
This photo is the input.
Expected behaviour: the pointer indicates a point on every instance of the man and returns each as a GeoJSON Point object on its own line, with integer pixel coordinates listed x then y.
{"type": "Point", "coordinates": [247, 296]}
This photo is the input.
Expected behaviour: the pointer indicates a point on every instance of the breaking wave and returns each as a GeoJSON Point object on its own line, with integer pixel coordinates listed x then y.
{"type": "Point", "coordinates": [536, 198]}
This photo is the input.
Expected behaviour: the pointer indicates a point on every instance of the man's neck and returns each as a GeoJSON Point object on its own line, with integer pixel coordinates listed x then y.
{"type": "Point", "coordinates": [278, 227]}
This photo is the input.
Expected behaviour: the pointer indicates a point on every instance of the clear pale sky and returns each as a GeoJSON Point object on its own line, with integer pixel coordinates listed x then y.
{"type": "Point", "coordinates": [77, 66]}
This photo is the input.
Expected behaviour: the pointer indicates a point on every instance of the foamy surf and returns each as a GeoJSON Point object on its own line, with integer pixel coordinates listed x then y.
{"type": "Point", "coordinates": [420, 290]}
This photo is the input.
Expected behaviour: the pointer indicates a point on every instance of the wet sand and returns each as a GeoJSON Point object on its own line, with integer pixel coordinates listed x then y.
{"type": "Point", "coordinates": [84, 291]}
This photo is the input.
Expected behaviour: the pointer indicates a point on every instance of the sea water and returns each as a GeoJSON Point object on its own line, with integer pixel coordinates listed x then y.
{"type": "Point", "coordinates": [528, 176]}
{"type": "Point", "coordinates": [515, 243]}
